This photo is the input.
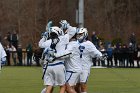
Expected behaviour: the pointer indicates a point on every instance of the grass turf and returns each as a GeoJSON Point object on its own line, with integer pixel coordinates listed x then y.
{"type": "Point", "coordinates": [101, 80]}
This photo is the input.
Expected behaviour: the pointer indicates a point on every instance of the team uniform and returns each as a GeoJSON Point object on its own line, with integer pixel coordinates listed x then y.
{"type": "Point", "coordinates": [55, 73]}
{"type": "Point", "coordinates": [73, 65]}
{"type": "Point", "coordinates": [78, 64]}
{"type": "Point", "coordinates": [2, 55]}
{"type": "Point", "coordinates": [88, 52]}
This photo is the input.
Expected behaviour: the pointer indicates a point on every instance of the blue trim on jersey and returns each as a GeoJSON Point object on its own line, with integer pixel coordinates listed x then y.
{"type": "Point", "coordinates": [60, 63]}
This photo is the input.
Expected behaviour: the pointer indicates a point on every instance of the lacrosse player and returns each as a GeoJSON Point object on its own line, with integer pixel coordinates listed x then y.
{"type": "Point", "coordinates": [72, 64]}
{"type": "Point", "coordinates": [55, 72]}
{"type": "Point", "coordinates": [87, 51]}
{"type": "Point", "coordinates": [2, 56]}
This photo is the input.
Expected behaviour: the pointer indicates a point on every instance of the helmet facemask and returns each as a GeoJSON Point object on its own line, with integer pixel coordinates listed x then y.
{"type": "Point", "coordinates": [82, 34]}
{"type": "Point", "coordinates": [53, 35]}
{"type": "Point", "coordinates": [55, 32]}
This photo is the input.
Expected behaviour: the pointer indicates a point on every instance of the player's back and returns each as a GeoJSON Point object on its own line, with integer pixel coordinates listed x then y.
{"type": "Point", "coordinates": [88, 53]}
{"type": "Point", "coordinates": [60, 46]}
{"type": "Point", "coordinates": [73, 62]}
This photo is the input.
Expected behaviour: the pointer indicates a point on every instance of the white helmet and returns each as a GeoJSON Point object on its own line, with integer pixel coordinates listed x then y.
{"type": "Point", "coordinates": [82, 34]}
{"type": "Point", "coordinates": [56, 30]}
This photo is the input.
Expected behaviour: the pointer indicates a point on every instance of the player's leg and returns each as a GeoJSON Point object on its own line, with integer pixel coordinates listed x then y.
{"type": "Point", "coordinates": [62, 89]}
{"type": "Point", "coordinates": [78, 88]}
{"type": "Point", "coordinates": [69, 82]}
{"type": "Point", "coordinates": [44, 90]}
{"type": "Point", "coordinates": [83, 87]}
{"type": "Point", "coordinates": [71, 79]}
{"type": "Point", "coordinates": [83, 80]}
{"type": "Point", "coordinates": [49, 89]}
{"type": "Point", "coordinates": [70, 89]}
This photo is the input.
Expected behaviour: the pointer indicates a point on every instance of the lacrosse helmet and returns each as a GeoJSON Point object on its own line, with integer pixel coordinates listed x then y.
{"type": "Point", "coordinates": [82, 34]}
{"type": "Point", "coordinates": [55, 32]}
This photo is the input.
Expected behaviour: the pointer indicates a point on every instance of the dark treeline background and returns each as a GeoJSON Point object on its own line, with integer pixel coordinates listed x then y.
{"type": "Point", "coordinates": [109, 18]}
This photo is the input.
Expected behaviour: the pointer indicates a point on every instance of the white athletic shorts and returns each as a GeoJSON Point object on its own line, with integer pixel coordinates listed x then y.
{"type": "Point", "coordinates": [55, 75]}
{"type": "Point", "coordinates": [72, 77]}
{"type": "Point", "coordinates": [84, 76]}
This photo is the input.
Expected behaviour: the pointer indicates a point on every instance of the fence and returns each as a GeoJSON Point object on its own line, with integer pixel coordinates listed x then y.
{"type": "Point", "coordinates": [13, 56]}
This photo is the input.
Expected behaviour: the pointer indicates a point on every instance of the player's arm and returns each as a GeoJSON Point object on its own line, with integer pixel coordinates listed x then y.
{"type": "Point", "coordinates": [66, 53]}
{"type": "Point", "coordinates": [94, 52]}
{"type": "Point", "coordinates": [43, 43]}
{"type": "Point", "coordinates": [70, 32]}
{"type": "Point", "coordinates": [54, 56]}
{"type": "Point", "coordinates": [63, 54]}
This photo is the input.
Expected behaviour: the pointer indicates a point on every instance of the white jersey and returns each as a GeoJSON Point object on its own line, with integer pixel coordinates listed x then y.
{"type": "Point", "coordinates": [73, 61]}
{"type": "Point", "coordinates": [81, 57]}
{"type": "Point", "coordinates": [2, 54]}
{"type": "Point", "coordinates": [60, 46]}
{"type": "Point", "coordinates": [88, 51]}
{"type": "Point", "coordinates": [56, 69]}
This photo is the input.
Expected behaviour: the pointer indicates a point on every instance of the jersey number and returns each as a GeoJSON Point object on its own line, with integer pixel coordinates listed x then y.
{"type": "Point", "coordinates": [81, 48]}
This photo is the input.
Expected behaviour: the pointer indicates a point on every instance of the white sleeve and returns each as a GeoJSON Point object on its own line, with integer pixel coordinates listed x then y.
{"type": "Point", "coordinates": [94, 52]}
{"type": "Point", "coordinates": [44, 43]}
{"type": "Point", "coordinates": [65, 53]}
{"type": "Point", "coordinates": [64, 39]}
{"type": "Point", "coordinates": [71, 31]}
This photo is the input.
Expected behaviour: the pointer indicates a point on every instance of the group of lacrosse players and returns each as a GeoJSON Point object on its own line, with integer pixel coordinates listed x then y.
{"type": "Point", "coordinates": [67, 58]}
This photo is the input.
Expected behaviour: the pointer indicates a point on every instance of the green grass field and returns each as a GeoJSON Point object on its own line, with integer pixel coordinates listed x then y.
{"type": "Point", "coordinates": [101, 80]}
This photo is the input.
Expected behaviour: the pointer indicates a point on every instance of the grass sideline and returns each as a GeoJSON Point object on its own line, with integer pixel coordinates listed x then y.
{"type": "Point", "coordinates": [17, 79]}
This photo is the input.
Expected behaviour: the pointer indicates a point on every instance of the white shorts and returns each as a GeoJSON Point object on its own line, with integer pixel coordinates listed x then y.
{"type": "Point", "coordinates": [55, 75]}
{"type": "Point", "coordinates": [84, 76]}
{"type": "Point", "coordinates": [72, 77]}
